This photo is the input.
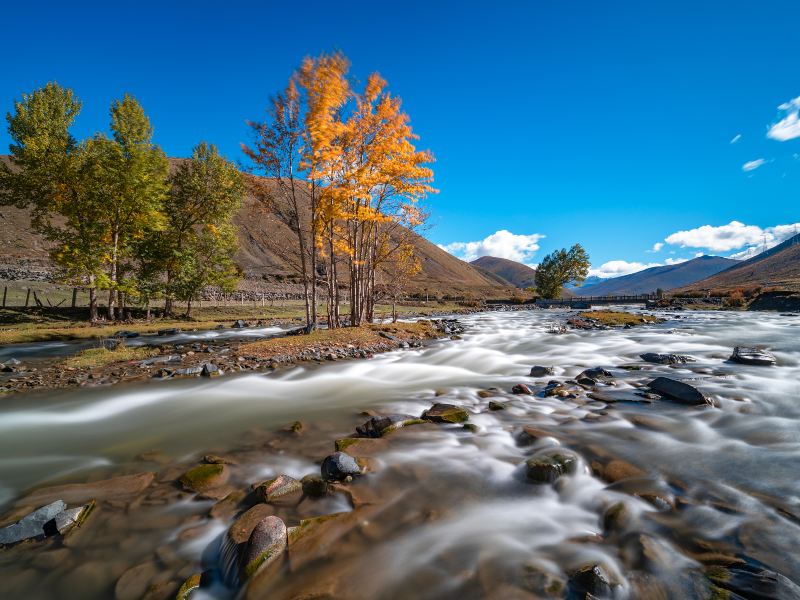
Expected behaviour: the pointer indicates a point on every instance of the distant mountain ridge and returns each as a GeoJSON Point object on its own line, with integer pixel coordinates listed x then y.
{"type": "Point", "coordinates": [665, 278]}
{"type": "Point", "coordinates": [515, 273]}
{"type": "Point", "coordinates": [776, 268]}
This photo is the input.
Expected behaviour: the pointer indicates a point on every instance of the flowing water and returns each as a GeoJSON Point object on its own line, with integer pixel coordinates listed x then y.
{"type": "Point", "coordinates": [450, 513]}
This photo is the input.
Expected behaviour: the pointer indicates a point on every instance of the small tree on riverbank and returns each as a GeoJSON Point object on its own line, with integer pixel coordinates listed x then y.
{"type": "Point", "coordinates": [559, 268]}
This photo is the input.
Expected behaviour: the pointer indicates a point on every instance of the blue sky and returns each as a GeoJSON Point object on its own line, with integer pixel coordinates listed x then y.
{"type": "Point", "coordinates": [604, 123]}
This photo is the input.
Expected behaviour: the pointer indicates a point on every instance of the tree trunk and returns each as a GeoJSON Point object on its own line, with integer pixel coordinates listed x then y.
{"type": "Point", "coordinates": [92, 301]}
{"type": "Point", "coordinates": [189, 308]}
{"type": "Point", "coordinates": [112, 293]}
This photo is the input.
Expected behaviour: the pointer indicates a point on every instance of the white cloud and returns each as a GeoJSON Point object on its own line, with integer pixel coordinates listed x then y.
{"type": "Point", "coordinates": [788, 127]}
{"type": "Point", "coordinates": [752, 165]}
{"type": "Point", "coordinates": [502, 244]}
{"type": "Point", "coordinates": [657, 247]}
{"type": "Point", "coordinates": [718, 239]}
{"type": "Point", "coordinates": [733, 236]}
{"type": "Point", "coordinates": [736, 138]}
{"type": "Point", "coordinates": [617, 268]}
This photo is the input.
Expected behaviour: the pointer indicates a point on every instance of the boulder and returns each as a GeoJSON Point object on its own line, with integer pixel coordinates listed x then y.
{"type": "Point", "coordinates": [266, 544]}
{"type": "Point", "coordinates": [126, 334]}
{"type": "Point", "coordinates": [338, 466]}
{"type": "Point", "coordinates": [204, 477]}
{"type": "Point", "coordinates": [549, 464]}
{"type": "Point", "coordinates": [678, 391]}
{"type": "Point", "coordinates": [169, 331]}
{"type": "Point", "coordinates": [31, 525]}
{"type": "Point", "coordinates": [665, 359]}
{"type": "Point", "coordinates": [596, 373]}
{"type": "Point", "coordinates": [591, 581]}
{"type": "Point", "coordinates": [752, 356]}
{"type": "Point", "coordinates": [445, 413]}
{"type": "Point", "coordinates": [211, 370]}
{"type": "Point", "coordinates": [282, 485]}
{"type": "Point", "coordinates": [240, 324]}
{"type": "Point", "coordinates": [540, 371]}
{"type": "Point", "coordinates": [495, 405]}
{"type": "Point", "coordinates": [381, 424]}
{"type": "Point", "coordinates": [522, 389]}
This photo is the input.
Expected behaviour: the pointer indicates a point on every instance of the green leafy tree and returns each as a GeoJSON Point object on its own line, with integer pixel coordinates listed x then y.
{"type": "Point", "coordinates": [206, 260]}
{"type": "Point", "coordinates": [198, 245]}
{"type": "Point", "coordinates": [559, 268]}
{"type": "Point", "coordinates": [131, 186]}
{"type": "Point", "coordinates": [51, 173]}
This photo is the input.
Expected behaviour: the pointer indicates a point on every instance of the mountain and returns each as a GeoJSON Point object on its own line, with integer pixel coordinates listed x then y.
{"type": "Point", "coordinates": [777, 268]}
{"type": "Point", "coordinates": [519, 275]}
{"type": "Point", "coordinates": [654, 278]}
{"type": "Point", "coordinates": [266, 251]}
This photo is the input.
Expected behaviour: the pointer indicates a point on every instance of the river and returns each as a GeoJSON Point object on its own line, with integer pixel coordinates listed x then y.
{"type": "Point", "coordinates": [711, 486]}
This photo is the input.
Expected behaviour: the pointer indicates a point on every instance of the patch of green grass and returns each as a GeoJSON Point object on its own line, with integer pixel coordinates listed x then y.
{"type": "Point", "coordinates": [100, 357]}
{"type": "Point", "coordinates": [613, 318]}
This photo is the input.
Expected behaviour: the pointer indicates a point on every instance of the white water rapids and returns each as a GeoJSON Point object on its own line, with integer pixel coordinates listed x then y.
{"type": "Point", "coordinates": [734, 466]}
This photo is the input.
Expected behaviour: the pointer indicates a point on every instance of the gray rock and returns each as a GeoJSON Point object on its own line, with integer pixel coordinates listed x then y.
{"type": "Point", "coordinates": [126, 334]}
{"type": "Point", "coordinates": [31, 525]}
{"type": "Point", "coordinates": [188, 372]}
{"type": "Point", "coordinates": [678, 391]}
{"type": "Point", "coordinates": [164, 359]}
{"type": "Point", "coordinates": [266, 544]}
{"type": "Point", "coordinates": [339, 466]}
{"type": "Point", "coordinates": [169, 331]}
{"type": "Point", "coordinates": [665, 359]}
{"type": "Point", "coordinates": [211, 370]}
{"type": "Point", "coordinates": [752, 356]}
{"type": "Point", "coordinates": [596, 373]}
{"type": "Point", "coordinates": [240, 324]}
{"type": "Point", "coordinates": [279, 486]}
{"type": "Point", "coordinates": [67, 519]}
{"type": "Point", "coordinates": [540, 371]}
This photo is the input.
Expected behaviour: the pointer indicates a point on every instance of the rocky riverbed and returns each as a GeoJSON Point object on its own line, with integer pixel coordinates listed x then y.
{"type": "Point", "coordinates": [649, 462]}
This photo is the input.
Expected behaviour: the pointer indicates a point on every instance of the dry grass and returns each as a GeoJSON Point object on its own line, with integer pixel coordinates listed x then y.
{"type": "Point", "coordinates": [93, 358]}
{"type": "Point", "coordinates": [358, 337]}
{"type": "Point", "coordinates": [613, 318]}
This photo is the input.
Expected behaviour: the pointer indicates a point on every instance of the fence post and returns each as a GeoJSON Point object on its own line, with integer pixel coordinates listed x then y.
{"type": "Point", "coordinates": [27, 297]}
{"type": "Point", "coordinates": [5, 291]}
{"type": "Point", "coordinates": [74, 296]}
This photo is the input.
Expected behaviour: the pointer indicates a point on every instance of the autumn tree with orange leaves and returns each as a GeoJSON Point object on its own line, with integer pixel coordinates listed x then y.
{"type": "Point", "coordinates": [345, 177]}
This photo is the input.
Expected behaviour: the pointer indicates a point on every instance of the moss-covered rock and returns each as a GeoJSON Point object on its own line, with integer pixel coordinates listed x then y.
{"type": "Point", "coordinates": [314, 486]}
{"type": "Point", "coordinates": [548, 465]}
{"type": "Point", "coordinates": [445, 413]}
{"type": "Point", "coordinates": [204, 477]}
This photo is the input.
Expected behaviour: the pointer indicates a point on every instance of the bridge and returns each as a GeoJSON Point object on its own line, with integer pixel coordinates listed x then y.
{"type": "Point", "coordinates": [577, 301]}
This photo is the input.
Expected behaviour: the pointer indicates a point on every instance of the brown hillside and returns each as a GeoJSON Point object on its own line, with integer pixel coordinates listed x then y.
{"type": "Point", "coordinates": [778, 269]}
{"type": "Point", "coordinates": [520, 275]}
{"type": "Point", "coordinates": [266, 250]}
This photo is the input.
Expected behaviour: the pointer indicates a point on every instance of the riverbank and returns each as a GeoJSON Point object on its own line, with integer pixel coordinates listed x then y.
{"type": "Point", "coordinates": [113, 362]}
{"type": "Point", "coordinates": [40, 325]}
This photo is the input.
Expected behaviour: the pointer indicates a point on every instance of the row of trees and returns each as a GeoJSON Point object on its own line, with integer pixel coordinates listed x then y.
{"type": "Point", "coordinates": [117, 216]}
{"type": "Point", "coordinates": [344, 175]}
